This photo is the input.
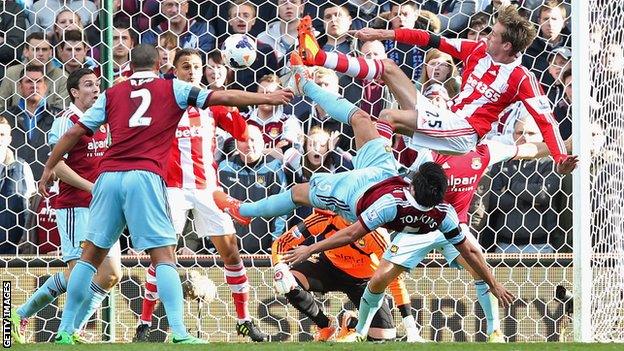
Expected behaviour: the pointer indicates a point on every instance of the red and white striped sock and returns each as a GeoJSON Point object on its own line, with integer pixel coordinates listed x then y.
{"type": "Point", "coordinates": [151, 296]}
{"type": "Point", "coordinates": [385, 129]}
{"type": "Point", "coordinates": [236, 277]}
{"type": "Point", "coordinates": [357, 67]}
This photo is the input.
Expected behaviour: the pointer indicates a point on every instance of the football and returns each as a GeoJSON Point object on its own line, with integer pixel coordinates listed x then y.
{"type": "Point", "coordinates": [239, 51]}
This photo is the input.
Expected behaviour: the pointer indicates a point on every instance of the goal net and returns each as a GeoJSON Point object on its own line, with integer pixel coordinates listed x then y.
{"type": "Point", "coordinates": [606, 122]}
{"type": "Point", "coordinates": [521, 215]}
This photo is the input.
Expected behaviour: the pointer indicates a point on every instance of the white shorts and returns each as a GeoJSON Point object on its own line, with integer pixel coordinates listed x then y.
{"type": "Point", "coordinates": [209, 219]}
{"type": "Point", "coordinates": [72, 227]}
{"type": "Point", "coordinates": [440, 129]}
{"type": "Point", "coordinates": [408, 250]}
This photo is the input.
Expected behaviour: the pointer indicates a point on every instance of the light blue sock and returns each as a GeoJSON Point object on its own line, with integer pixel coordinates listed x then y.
{"type": "Point", "coordinates": [78, 290]}
{"type": "Point", "coordinates": [369, 305]}
{"type": "Point", "coordinates": [336, 106]}
{"type": "Point", "coordinates": [54, 286]}
{"type": "Point", "coordinates": [90, 306]}
{"type": "Point", "coordinates": [170, 291]}
{"type": "Point", "coordinates": [272, 206]}
{"type": "Point", "coordinates": [489, 305]}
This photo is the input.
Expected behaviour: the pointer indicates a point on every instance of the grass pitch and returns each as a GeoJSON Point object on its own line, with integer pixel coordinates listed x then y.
{"type": "Point", "coordinates": [287, 346]}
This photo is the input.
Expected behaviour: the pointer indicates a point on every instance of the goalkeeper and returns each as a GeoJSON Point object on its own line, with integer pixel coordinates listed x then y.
{"type": "Point", "coordinates": [346, 269]}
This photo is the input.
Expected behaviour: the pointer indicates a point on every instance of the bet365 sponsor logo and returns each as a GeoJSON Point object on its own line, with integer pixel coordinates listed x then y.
{"type": "Point", "coordinates": [484, 89]}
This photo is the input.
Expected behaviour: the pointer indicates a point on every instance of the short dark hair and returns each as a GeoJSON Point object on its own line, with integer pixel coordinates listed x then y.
{"type": "Point", "coordinates": [72, 35]}
{"type": "Point", "coordinates": [144, 56]}
{"type": "Point", "coordinates": [429, 184]}
{"type": "Point", "coordinates": [566, 74]}
{"type": "Point", "coordinates": [185, 52]}
{"type": "Point", "coordinates": [32, 68]}
{"type": "Point", "coordinates": [124, 23]}
{"type": "Point", "coordinates": [73, 81]}
{"type": "Point", "coordinates": [36, 36]}
{"type": "Point", "coordinates": [216, 56]}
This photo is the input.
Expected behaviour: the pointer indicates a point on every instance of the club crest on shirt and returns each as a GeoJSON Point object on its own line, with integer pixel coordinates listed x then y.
{"type": "Point", "coordinates": [261, 180]}
{"type": "Point", "coordinates": [394, 249]}
{"type": "Point", "coordinates": [476, 163]}
{"type": "Point", "coordinates": [102, 129]}
{"type": "Point", "coordinates": [361, 242]}
{"type": "Point", "coordinates": [388, 148]}
{"type": "Point", "coordinates": [274, 132]}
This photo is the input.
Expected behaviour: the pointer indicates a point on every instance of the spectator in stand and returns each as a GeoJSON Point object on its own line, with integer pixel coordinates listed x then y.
{"type": "Point", "coordinates": [217, 76]}
{"type": "Point", "coordinates": [558, 63]}
{"type": "Point", "coordinates": [281, 35]}
{"type": "Point", "coordinates": [337, 21]}
{"type": "Point", "coordinates": [280, 131]}
{"type": "Point", "coordinates": [241, 18]}
{"type": "Point", "coordinates": [524, 204]}
{"type": "Point", "coordinates": [37, 51]}
{"type": "Point", "coordinates": [140, 12]}
{"type": "Point", "coordinates": [479, 26]}
{"type": "Point", "coordinates": [328, 80]}
{"type": "Point", "coordinates": [408, 57]}
{"type": "Point", "coordinates": [12, 29]}
{"type": "Point", "coordinates": [167, 49]}
{"type": "Point", "coordinates": [453, 14]}
{"type": "Point", "coordinates": [250, 175]}
{"type": "Point", "coordinates": [124, 39]}
{"type": "Point", "coordinates": [72, 53]}
{"type": "Point", "coordinates": [552, 34]}
{"type": "Point", "coordinates": [375, 95]}
{"type": "Point", "coordinates": [65, 20]}
{"type": "Point", "coordinates": [319, 155]}
{"type": "Point", "coordinates": [43, 12]}
{"type": "Point", "coordinates": [17, 185]}
{"type": "Point", "coordinates": [32, 119]}
{"type": "Point", "coordinates": [563, 107]}
{"type": "Point", "coordinates": [440, 69]}
{"type": "Point", "coordinates": [193, 33]}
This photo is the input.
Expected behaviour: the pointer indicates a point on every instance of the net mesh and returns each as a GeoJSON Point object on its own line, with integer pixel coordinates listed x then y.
{"type": "Point", "coordinates": [607, 121]}
{"type": "Point", "coordinates": [527, 236]}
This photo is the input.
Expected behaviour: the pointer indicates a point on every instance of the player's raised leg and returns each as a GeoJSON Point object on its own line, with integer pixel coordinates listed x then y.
{"type": "Point", "coordinates": [400, 85]}
{"type": "Point", "coordinates": [336, 106]}
{"type": "Point", "coordinates": [272, 206]}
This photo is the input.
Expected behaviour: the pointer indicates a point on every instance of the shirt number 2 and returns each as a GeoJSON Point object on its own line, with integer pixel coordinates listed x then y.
{"type": "Point", "coordinates": [138, 119]}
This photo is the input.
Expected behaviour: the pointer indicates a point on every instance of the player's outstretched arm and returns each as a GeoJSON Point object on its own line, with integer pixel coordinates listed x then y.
{"type": "Point", "coordinates": [243, 98]}
{"type": "Point", "coordinates": [64, 145]}
{"type": "Point", "coordinates": [69, 176]}
{"type": "Point", "coordinates": [475, 259]}
{"type": "Point", "coordinates": [342, 237]}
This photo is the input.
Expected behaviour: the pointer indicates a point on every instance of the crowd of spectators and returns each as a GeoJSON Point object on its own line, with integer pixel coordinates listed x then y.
{"type": "Point", "coordinates": [522, 206]}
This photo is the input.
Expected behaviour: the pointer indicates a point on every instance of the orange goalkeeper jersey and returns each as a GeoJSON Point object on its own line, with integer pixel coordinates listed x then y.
{"type": "Point", "coordinates": [359, 259]}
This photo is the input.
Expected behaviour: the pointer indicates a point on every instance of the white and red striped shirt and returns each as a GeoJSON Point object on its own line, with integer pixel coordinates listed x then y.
{"type": "Point", "coordinates": [488, 87]}
{"type": "Point", "coordinates": [191, 161]}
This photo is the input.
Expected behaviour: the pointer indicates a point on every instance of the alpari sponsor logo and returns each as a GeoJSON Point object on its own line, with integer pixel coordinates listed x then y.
{"type": "Point", "coordinates": [97, 145]}
{"type": "Point", "coordinates": [457, 181]}
{"type": "Point", "coordinates": [461, 184]}
{"type": "Point", "coordinates": [188, 132]}
{"type": "Point", "coordinates": [483, 88]}
{"type": "Point", "coordinates": [422, 219]}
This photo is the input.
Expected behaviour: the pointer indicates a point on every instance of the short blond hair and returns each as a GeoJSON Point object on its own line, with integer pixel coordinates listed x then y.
{"type": "Point", "coordinates": [322, 72]}
{"type": "Point", "coordinates": [269, 78]}
{"type": "Point", "coordinates": [519, 31]}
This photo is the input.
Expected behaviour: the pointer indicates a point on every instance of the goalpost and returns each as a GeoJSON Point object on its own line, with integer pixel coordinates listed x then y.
{"type": "Point", "coordinates": [598, 123]}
